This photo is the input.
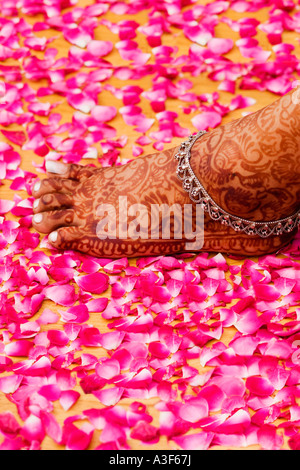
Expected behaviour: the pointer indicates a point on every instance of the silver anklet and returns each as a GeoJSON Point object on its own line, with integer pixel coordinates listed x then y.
{"type": "Point", "coordinates": [197, 193]}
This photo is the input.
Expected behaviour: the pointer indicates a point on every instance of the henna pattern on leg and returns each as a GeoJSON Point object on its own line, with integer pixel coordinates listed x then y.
{"type": "Point", "coordinates": [263, 154]}
{"type": "Point", "coordinates": [250, 167]}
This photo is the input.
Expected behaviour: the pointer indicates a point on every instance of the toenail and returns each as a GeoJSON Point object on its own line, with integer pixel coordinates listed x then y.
{"type": "Point", "coordinates": [55, 167]}
{"type": "Point", "coordinates": [36, 203]}
{"type": "Point", "coordinates": [37, 186]}
{"type": "Point", "coordinates": [47, 198]}
{"type": "Point", "coordinates": [53, 236]}
{"type": "Point", "coordinates": [37, 218]}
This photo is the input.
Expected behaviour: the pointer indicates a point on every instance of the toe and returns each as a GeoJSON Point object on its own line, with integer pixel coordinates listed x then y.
{"type": "Point", "coordinates": [67, 238]}
{"type": "Point", "coordinates": [46, 222]}
{"type": "Point", "coordinates": [72, 170]}
{"type": "Point", "coordinates": [54, 185]}
{"type": "Point", "coordinates": [52, 201]}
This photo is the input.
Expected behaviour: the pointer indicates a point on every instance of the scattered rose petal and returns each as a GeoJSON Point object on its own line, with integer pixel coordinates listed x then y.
{"type": "Point", "coordinates": [95, 283]}
{"type": "Point", "coordinates": [205, 120]}
{"type": "Point", "coordinates": [211, 340]}
{"type": "Point", "coordinates": [62, 295]}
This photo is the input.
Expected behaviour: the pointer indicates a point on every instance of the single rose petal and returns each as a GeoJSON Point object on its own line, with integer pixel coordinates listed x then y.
{"type": "Point", "coordinates": [220, 46]}
{"type": "Point", "coordinates": [198, 441]}
{"type": "Point", "coordinates": [103, 113]}
{"type": "Point", "coordinates": [52, 392]}
{"type": "Point", "coordinates": [213, 395]}
{"type": "Point", "coordinates": [207, 119]}
{"type": "Point", "coordinates": [108, 368]}
{"type": "Point", "coordinates": [76, 314]}
{"type": "Point", "coordinates": [235, 424]}
{"type": "Point", "coordinates": [194, 410]}
{"type": "Point", "coordinates": [77, 36]}
{"type": "Point", "coordinates": [268, 437]}
{"type": "Point", "coordinates": [111, 340]}
{"type": "Point", "coordinates": [97, 305]}
{"type": "Point", "coordinates": [6, 206]}
{"type": "Point", "coordinates": [259, 386]}
{"type": "Point", "coordinates": [248, 321]}
{"type": "Point", "coordinates": [109, 396]}
{"type": "Point", "coordinates": [61, 295]}
{"type": "Point", "coordinates": [9, 426]}
{"type": "Point", "coordinates": [17, 137]}
{"type": "Point", "coordinates": [51, 426]}
{"type": "Point", "coordinates": [145, 432]}
{"type": "Point", "coordinates": [81, 102]}
{"type": "Point", "coordinates": [95, 283]}
{"type": "Point", "coordinates": [266, 292]}
{"type": "Point", "coordinates": [158, 349]}
{"type": "Point", "coordinates": [10, 384]}
{"type": "Point", "coordinates": [99, 48]}
{"type": "Point", "coordinates": [33, 429]}
{"type": "Point", "coordinates": [77, 439]}
{"type": "Point", "coordinates": [197, 34]}
{"type": "Point", "coordinates": [18, 348]}
{"type": "Point", "coordinates": [68, 398]}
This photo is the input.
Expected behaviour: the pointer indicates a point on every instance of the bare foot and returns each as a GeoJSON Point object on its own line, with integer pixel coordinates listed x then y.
{"type": "Point", "coordinates": [68, 204]}
{"type": "Point", "coordinates": [250, 167]}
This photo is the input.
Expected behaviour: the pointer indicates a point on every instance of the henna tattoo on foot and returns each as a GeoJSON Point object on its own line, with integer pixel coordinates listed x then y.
{"type": "Point", "coordinates": [250, 167]}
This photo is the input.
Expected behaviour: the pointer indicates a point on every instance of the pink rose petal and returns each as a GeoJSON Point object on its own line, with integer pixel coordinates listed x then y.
{"type": "Point", "coordinates": [103, 113]}
{"type": "Point", "coordinates": [220, 46]}
{"type": "Point", "coordinates": [6, 206]}
{"type": "Point", "coordinates": [194, 410]}
{"type": "Point", "coordinates": [99, 48]}
{"type": "Point", "coordinates": [108, 368]}
{"type": "Point", "coordinates": [62, 295]}
{"type": "Point", "coordinates": [259, 386]}
{"type": "Point", "coordinates": [10, 384]}
{"type": "Point", "coordinates": [17, 137]}
{"type": "Point", "coordinates": [268, 438]}
{"type": "Point", "coordinates": [95, 283]}
{"type": "Point", "coordinates": [197, 441]}
{"type": "Point", "coordinates": [51, 426]}
{"type": "Point", "coordinates": [9, 426]}
{"type": "Point", "coordinates": [33, 429]}
{"type": "Point", "coordinates": [68, 398]}
{"type": "Point", "coordinates": [205, 120]}
{"type": "Point", "coordinates": [77, 439]}
{"type": "Point", "coordinates": [110, 396]}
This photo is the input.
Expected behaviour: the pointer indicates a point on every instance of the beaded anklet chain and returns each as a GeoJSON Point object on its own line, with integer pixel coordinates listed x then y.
{"type": "Point", "coordinates": [198, 194]}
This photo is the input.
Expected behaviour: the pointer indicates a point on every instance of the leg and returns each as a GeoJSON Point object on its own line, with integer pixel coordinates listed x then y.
{"type": "Point", "coordinates": [250, 167]}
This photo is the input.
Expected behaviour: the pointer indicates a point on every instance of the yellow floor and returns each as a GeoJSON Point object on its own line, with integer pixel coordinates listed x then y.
{"type": "Point", "coordinates": [201, 84]}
